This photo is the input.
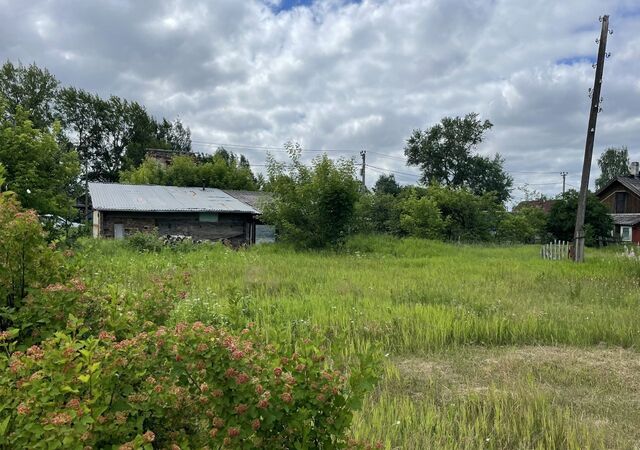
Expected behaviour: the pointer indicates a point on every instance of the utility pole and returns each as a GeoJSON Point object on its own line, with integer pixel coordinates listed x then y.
{"type": "Point", "coordinates": [564, 179]}
{"type": "Point", "coordinates": [363, 153]}
{"type": "Point", "coordinates": [578, 241]}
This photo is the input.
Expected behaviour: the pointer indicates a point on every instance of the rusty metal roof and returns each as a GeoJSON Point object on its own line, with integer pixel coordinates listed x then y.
{"type": "Point", "coordinates": [151, 198]}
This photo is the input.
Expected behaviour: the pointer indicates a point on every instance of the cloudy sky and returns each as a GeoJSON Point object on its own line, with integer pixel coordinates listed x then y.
{"type": "Point", "coordinates": [351, 75]}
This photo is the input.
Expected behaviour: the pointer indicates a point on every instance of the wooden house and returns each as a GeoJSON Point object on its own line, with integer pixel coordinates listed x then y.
{"type": "Point", "coordinates": [202, 213]}
{"type": "Point", "coordinates": [621, 195]}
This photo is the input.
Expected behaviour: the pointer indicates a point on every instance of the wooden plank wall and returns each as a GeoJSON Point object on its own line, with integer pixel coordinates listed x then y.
{"type": "Point", "coordinates": [233, 227]}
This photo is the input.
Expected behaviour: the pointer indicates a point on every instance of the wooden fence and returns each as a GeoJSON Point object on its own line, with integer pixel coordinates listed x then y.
{"type": "Point", "coordinates": [555, 250]}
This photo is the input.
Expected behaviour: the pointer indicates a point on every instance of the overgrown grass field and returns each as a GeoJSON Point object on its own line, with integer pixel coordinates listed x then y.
{"type": "Point", "coordinates": [485, 347]}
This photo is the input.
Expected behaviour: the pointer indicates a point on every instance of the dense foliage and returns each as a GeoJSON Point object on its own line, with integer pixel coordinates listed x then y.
{"type": "Point", "coordinates": [26, 261]}
{"type": "Point", "coordinates": [191, 386]}
{"type": "Point", "coordinates": [562, 218]}
{"type": "Point", "coordinates": [223, 170]}
{"type": "Point", "coordinates": [444, 154]}
{"type": "Point", "coordinates": [314, 206]}
{"type": "Point", "coordinates": [37, 169]}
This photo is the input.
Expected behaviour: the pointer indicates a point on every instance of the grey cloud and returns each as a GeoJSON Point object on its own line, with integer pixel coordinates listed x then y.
{"type": "Point", "coordinates": [351, 75]}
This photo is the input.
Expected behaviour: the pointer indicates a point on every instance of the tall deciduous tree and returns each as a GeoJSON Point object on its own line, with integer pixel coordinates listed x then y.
{"type": "Point", "coordinates": [613, 162]}
{"type": "Point", "coordinates": [444, 153]}
{"type": "Point", "coordinates": [37, 169]}
{"type": "Point", "coordinates": [387, 184]}
{"type": "Point", "coordinates": [31, 88]}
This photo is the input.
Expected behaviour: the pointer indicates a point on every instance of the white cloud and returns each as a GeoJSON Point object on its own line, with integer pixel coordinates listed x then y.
{"type": "Point", "coordinates": [351, 75]}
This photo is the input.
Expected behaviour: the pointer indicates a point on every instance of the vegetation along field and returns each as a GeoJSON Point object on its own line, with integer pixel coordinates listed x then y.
{"type": "Point", "coordinates": [484, 347]}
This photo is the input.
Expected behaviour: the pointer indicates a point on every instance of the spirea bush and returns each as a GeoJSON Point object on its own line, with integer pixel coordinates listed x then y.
{"type": "Point", "coordinates": [190, 386]}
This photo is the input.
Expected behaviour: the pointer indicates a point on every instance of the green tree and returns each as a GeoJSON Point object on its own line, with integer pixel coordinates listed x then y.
{"type": "Point", "coordinates": [38, 170]}
{"type": "Point", "coordinates": [525, 226]}
{"type": "Point", "coordinates": [387, 184]}
{"type": "Point", "coordinates": [561, 221]}
{"type": "Point", "coordinates": [421, 217]}
{"type": "Point", "coordinates": [613, 162]}
{"type": "Point", "coordinates": [444, 154]}
{"type": "Point", "coordinates": [467, 216]}
{"type": "Point", "coordinates": [31, 88]}
{"type": "Point", "coordinates": [314, 206]}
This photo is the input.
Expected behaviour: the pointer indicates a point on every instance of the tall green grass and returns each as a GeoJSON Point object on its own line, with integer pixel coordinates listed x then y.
{"type": "Point", "coordinates": [412, 298]}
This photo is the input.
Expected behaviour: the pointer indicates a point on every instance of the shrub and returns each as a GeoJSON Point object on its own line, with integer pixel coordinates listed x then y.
{"type": "Point", "coordinates": [312, 207]}
{"type": "Point", "coordinates": [25, 259]}
{"type": "Point", "coordinates": [142, 241]}
{"type": "Point", "coordinates": [190, 386]}
{"type": "Point", "coordinates": [421, 218]}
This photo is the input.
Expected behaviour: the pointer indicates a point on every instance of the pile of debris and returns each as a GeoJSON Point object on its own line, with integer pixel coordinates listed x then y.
{"type": "Point", "coordinates": [173, 239]}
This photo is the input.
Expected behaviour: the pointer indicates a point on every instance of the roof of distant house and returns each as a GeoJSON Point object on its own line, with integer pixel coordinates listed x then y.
{"type": "Point", "coordinates": [255, 199]}
{"type": "Point", "coordinates": [544, 205]}
{"type": "Point", "coordinates": [630, 182]}
{"type": "Point", "coordinates": [152, 198]}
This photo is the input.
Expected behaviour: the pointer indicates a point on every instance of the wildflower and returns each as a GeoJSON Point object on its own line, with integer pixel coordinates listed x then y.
{"type": "Point", "coordinates": [217, 393]}
{"type": "Point", "coordinates": [218, 422]}
{"type": "Point", "coordinates": [127, 446]}
{"type": "Point", "coordinates": [286, 397]}
{"type": "Point", "coordinates": [255, 424]}
{"type": "Point", "coordinates": [259, 389]}
{"type": "Point", "coordinates": [35, 352]}
{"type": "Point", "coordinates": [241, 409]}
{"type": "Point", "coordinates": [61, 419]}
{"type": "Point", "coordinates": [4, 335]}
{"type": "Point", "coordinates": [242, 378]}
{"type": "Point", "coordinates": [233, 431]}
{"type": "Point", "coordinates": [149, 436]}
{"type": "Point", "coordinates": [277, 371]}
{"type": "Point", "coordinates": [106, 336]}
{"type": "Point", "coordinates": [263, 404]}
{"type": "Point", "coordinates": [23, 409]}
{"type": "Point", "coordinates": [237, 355]}
{"type": "Point", "coordinates": [320, 397]}
{"type": "Point", "coordinates": [300, 367]}
{"type": "Point", "coordinates": [121, 417]}
{"type": "Point", "coordinates": [213, 432]}
{"type": "Point", "coordinates": [230, 372]}
{"type": "Point", "coordinates": [202, 347]}
{"type": "Point", "coordinates": [204, 387]}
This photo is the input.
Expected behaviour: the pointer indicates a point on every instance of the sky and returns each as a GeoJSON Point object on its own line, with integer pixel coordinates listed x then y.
{"type": "Point", "coordinates": [344, 76]}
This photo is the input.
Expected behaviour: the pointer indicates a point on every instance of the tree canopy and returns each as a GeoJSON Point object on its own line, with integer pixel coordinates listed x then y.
{"type": "Point", "coordinates": [613, 162]}
{"type": "Point", "coordinates": [36, 168]}
{"type": "Point", "coordinates": [562, 218]}
{"type": "Point", "coordinates": [445, 155]}
{"type": "Point", "coordinates": [223, 170]}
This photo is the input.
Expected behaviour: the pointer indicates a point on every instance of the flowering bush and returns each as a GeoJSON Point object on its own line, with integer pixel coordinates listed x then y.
{"type": "Point", "coordinates": [190, 386]}
{"type": "Point", "coordinates": [45, 311]}
{"type": "Point", "coordinates": [25, 259]}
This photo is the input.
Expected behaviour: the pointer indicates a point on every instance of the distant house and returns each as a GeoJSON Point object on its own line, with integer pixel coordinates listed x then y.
{"type": "Point", "coordinates": [203, 214]}
{"type": "Point", "coordinates": [165, 157]}
{"type": "Point", "coordinates": [544, 205]}
{"type": "Point", "coordinates": [621, 196]}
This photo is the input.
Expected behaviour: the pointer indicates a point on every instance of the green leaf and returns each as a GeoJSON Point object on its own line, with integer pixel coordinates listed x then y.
{"type": "Point", "coordinates": [3, 425]}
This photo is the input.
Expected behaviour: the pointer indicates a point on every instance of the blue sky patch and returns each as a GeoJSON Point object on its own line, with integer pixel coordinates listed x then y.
{"type": "Point", "coordinates": [286, 5]}
{"type": "Point", "coordinates": [572, 60]}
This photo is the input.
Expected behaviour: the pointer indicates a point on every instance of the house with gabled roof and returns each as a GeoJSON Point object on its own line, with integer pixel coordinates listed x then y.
{"type": "Point", "coordinates": [201, 213]}
{"type": "Point", "coordinates": [621, 196]}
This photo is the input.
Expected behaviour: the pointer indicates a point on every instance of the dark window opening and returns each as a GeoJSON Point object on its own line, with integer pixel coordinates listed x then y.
{"type": "Point", "coordinates": [621, 202]}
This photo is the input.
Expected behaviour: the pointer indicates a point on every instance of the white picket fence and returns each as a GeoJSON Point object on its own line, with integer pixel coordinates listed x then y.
{"type": "Point", "coordinates": [555, 250]}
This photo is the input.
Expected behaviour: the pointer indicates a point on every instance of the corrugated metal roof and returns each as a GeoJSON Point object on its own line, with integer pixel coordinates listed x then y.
{"type": "Point", "coordinates": [625, 219]}
{"type": "Point", "coordinates": [129, 197]}
{"type": "Point", "coordinates": [630, 182]}
{"type": "Point", "coordinates": [255, 199]}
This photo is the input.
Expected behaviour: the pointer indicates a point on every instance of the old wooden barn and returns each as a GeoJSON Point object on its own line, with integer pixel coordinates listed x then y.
{"type": "Point", "coordinates": [202, 213]}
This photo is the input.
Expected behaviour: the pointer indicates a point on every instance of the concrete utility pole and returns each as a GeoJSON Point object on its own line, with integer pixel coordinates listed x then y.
{"type": "Point", "coordinates": [363, 153]}
{"type": "Point", "coordinates": [564, 179]}
{"type": "Point", "coordinates": [578, 240]}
